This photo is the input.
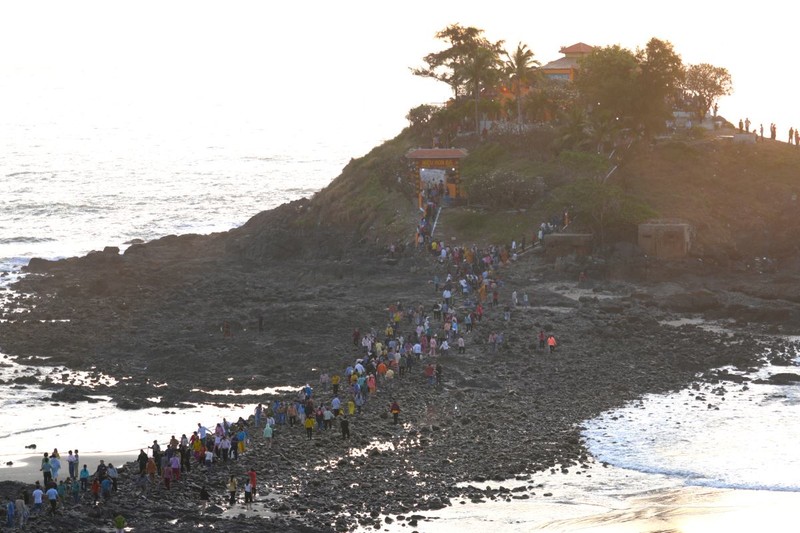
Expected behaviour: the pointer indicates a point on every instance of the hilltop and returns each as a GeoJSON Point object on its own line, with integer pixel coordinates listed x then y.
{"type": "Point", "coordinates": [740, 198]}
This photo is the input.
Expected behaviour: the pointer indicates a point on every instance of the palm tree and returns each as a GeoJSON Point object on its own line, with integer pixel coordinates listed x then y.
{"type": "Point", "coordinates": [519, 69]}
{"type": "Point", "coordinates": [573, 131]}
{"type": "Point", "coordinates": [602, 130]}
{"type": "Point", "coordinates": [480, 70]}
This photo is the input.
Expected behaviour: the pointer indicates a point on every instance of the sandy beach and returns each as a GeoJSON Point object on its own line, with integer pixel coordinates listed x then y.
{"type": "Point", "coordinates": [27, 469]}
{"type": "Point", "coordinates": [607, 501]}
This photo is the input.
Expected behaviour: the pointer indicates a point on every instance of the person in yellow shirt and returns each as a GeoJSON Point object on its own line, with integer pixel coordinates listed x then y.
{"type": "Point", "coordinates": [335, 379]}
{"type": "Point", "coordinates": [309, 424]}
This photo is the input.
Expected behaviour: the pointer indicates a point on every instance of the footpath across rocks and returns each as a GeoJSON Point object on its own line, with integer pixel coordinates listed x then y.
{"type": "Point", "coordinates": [498, 414]}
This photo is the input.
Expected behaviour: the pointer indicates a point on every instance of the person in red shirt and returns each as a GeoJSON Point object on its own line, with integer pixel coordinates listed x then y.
{"type": "Point", "coordinates": [252, 475]}
{"type": "Point", "coordinates": [430, 372]}
{"type": "Point", "coordinates": [96, 490]}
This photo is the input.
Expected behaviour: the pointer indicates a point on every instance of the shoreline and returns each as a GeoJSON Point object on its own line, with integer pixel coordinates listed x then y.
{"type": "Point", "coordinates": [638, 502]}
{"type": "Point", "coordinates": [27, 470]}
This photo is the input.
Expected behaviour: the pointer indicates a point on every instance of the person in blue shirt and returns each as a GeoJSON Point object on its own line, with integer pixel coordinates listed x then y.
{"type": "Point", "coordinates": [105, 488]}
{"type": "Point", "coordinates": [55, 467]}
{"type": "Point", "coordinates": [84, 476]}
{"type": "Point", "coordinates": [10, 508]}
{"type": "Point", "coordinates": [52, 497]}
{"type": "Point", "coordinates": [242, 438]}
{"type": "Point", "coordinates": [76, 490]}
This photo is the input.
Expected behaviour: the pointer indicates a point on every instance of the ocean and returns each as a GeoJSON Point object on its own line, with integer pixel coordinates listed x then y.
{"type": "Point", "coordinates": [689, 455]}
{"type": "Point", "coordinates": [70, 188]}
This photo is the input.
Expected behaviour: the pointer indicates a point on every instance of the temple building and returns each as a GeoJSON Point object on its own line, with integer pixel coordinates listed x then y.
{"type": "Point", "coordinates": [564, 68]}
{"type": "Point", "coordinates": [436, 168]}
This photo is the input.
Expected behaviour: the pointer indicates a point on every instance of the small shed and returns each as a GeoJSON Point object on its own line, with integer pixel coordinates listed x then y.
{"type": "Point", "coordinates": [665, 239]}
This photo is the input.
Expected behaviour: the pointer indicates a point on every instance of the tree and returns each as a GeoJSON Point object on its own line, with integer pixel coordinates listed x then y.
{"type": "Point", "coordinates": [519, 69]}
{"type": "Point", "coordinates": [550, 98]}
{"type": "Point", "coordinates": [451, 64]}
{"type": "Point", "coordinates": [705, 84]}
{"type": "Point", "coordinates": [662, 74]}
{"type": "Point", "coordinates": [602, 131]}
{"type": "Point", "coordinates": [421, 115]}
{"type": "Point", "coordinates": [601, 206]}
{"type": "Point", "coordinates": [480, 71]}
{"type": "Point", "coordinates": [607, 80]}
{"type": "Point", "coordinates": [572, 134]}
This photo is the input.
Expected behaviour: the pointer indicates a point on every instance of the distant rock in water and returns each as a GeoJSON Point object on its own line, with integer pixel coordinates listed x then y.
{"type": "Point", "coordinates": [783, 378]}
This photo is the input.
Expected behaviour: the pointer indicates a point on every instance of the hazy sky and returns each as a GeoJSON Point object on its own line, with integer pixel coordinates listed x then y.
{"type": "Point", "coordinates": [181, 63]}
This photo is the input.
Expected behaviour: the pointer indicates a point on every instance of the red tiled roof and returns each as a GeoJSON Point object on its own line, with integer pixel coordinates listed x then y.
{"type": "Point", "coordinates": [436, 153]}
{"type": "Point", "coordinates": [577, 48]}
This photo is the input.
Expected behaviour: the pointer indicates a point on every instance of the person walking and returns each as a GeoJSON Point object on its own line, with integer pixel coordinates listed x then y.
{"type": "Point", "coordinates": [21, 511]}
{"type": "Point", "coordinates": [309, 425]}
{"type": "Point", "coordinates": [10, 512]}
{"type": "Point", "coordinates": [248, 494]}
{"type": "Point", "coordinates": [232, 487]}
{"type": "Point", "coordinates": [119, 523]}
{"type": "Point", "coordinates": [52, 497]}
{"type": "Point", "coordinates": [395, 410]}
{"type": "Point", "coordinates": [551, 343]}
{"type": "Point", "coordinates": [267, 433]}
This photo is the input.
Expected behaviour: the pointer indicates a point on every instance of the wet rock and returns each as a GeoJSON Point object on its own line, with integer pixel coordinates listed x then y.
{"type": "Point", "coordinates": [781, 379]}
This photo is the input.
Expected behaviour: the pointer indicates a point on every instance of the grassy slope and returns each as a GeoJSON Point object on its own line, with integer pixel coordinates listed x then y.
{"type": "Point", "coordinates": [737, 196]}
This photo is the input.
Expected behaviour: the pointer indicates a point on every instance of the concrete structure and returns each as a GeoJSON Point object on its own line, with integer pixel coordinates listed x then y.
{"type": "Point", "coordinates": [561, 244]}
{"type": "Point", "coordinates": [665, 239]}
{"type": "Point", "coordinates": [745, 138]}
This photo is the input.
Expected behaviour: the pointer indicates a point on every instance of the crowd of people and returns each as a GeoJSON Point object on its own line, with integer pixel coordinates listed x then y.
{"type": "Point", "coordinates": [57, 490]}
{"type": "Point", "coordinates": [794, 133]}
{"type": "Point", "coordinates": [414, 339]}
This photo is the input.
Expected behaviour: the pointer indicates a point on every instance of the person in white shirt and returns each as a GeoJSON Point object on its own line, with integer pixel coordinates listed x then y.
{"type": "Point", "coordinates": [72, 464]}
{"type": "Point", "coordinates": [38, 494]}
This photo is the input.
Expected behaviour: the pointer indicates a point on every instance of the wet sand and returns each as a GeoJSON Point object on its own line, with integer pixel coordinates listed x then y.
{"type": "Point", "coordinates": [601, 503]}
{"type": "Point", "coordinates": [27, 469]}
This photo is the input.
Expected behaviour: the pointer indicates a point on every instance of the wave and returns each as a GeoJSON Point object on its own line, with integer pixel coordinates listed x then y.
{"type": "Point", "coordinates": [23, 173]}
{"type": "Point", "coordinates": [716, 484]}
{"type": "Point", "coordinates": [33, 430]}
{"type": "Point", "coordinates": [13, 262]}
{"type": "Point", "coordinates": [27, 240]}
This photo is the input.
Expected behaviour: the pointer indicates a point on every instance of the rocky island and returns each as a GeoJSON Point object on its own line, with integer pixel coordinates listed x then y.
{"type": "Point", "coordinates": [313, 270]}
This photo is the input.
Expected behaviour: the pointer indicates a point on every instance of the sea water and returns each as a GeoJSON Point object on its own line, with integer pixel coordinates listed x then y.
{"type": "Point", "coordinates": [70, 190]}
{"type": "Point", "coordinates": [712, 457]}
{"type": "Point", "coordinates": [724, 435]}
{"type": "Point", "coordinates": [106, 186]}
